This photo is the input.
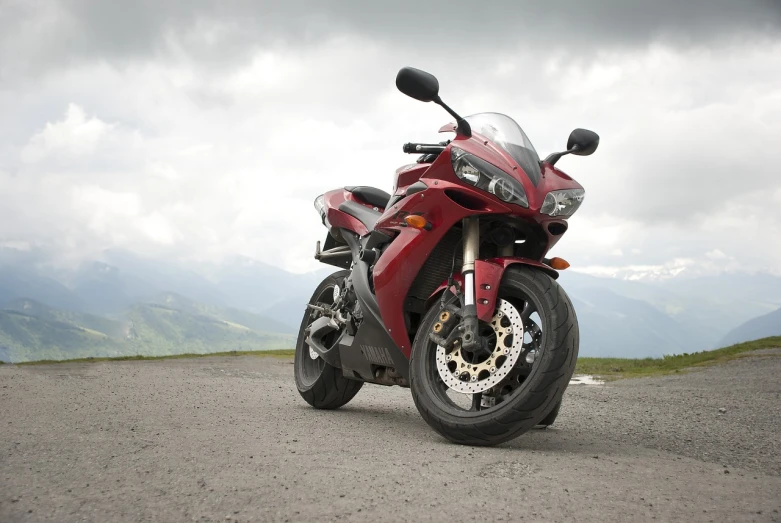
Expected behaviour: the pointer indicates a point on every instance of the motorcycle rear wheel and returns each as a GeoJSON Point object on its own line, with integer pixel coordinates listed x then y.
{"type": "Point", "coordinates": [321, 385]}
{"type": "Point", "coordinates": [532, 397]}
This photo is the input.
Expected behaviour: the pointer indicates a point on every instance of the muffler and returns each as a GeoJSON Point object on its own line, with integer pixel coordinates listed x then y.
{"type": "Point", "coordinates": [316, 332]}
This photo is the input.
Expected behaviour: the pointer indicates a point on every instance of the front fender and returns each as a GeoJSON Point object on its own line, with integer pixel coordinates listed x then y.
{"type": "Point", "coordinates": [488, 276]}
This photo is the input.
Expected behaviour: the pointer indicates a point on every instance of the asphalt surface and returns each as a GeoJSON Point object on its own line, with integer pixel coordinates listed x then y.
{"type": "Point", "coordinates": [229, 439]}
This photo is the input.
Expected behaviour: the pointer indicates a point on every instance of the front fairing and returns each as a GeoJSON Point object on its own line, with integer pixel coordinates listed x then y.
{"type": "Point", "coordinates": [551, 179]}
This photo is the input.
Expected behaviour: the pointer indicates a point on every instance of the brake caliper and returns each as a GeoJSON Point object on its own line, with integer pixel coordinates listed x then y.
{"type": "Point", "coordinates": [444, 331]}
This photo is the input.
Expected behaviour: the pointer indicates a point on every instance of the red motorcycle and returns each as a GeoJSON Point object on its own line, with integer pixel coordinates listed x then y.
{"type": "Point", "coordinates": [445, 286]}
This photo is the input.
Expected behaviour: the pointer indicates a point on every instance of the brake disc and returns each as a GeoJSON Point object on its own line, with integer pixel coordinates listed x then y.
{"type": "Point", "coordinates": [467, 377]}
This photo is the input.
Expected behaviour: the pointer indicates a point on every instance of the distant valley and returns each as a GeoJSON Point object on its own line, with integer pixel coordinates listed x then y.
{"type": "Point", "coordinates": [623, 318]}
{"type": "Point", "coordinates": [170, 324]}
{"type": "Point", "coordinates": [126, 305]}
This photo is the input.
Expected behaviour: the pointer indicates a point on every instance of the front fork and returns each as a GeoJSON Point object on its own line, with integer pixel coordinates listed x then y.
{"type": "Point", "coordinates": [471, 239]}
{"type": "Point", "coordinates": [444, 331]}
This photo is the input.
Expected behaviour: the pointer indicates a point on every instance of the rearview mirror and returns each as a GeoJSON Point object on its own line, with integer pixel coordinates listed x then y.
{"type": "Point", "coordinates": [418, 84]}
{"type": "Point", "coordinates": [582, 142]}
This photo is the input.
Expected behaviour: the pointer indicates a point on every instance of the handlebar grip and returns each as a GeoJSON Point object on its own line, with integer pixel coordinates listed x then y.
{"type": "Point", "coordinates": [422, 148]}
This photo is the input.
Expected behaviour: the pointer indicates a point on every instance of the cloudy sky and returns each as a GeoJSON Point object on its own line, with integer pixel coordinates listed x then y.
{"type": "Point", "coordinates": [203, 130]}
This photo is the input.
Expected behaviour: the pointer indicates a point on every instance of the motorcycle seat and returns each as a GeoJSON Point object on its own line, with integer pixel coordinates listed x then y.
{"type": "Point", "coordinates": [363, 214]}
{"type": "Point", "coordinates": [371, 195]}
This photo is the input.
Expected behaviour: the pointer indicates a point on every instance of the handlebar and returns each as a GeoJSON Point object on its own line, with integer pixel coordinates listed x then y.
{"type": "Point", "coordinates": [422, 148]}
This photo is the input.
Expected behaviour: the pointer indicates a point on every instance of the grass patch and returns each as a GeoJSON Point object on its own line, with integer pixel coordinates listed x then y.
{"type": "Point", "coordinates": [618, 368]}
{"type": "Point", "coordinates": [605, 368]}
{"type": "Point", "coordinates": [280, 353]}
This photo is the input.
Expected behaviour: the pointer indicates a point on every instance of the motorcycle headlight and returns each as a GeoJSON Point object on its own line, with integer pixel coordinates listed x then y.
{"type": "Point", "coordinates": [320, 205]}
{"type": "Point", "coordinates": [562, 203]}
{"type": "Point", "coordinates": [487, 177]}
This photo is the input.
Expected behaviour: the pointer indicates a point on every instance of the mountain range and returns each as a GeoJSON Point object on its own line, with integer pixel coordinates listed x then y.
{"type": "Point", "coordinates": [628, 318]}
{"type": "Point", "coordinates": [123, 304]}
{"type": "Point", "coordinates": [767, 325]}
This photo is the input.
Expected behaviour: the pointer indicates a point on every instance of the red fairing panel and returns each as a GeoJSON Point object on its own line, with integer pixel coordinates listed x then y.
{"type": "Point", "coordinates": [401, 261]}
{"type": "Point", "coordinates": [407, 175]}
{"type": "Point", "coordinates": [488, 277]}
{"type": "Point", "coordinates": [490, 272]}
{"type": "Point", "coordinates": [396, 269]}
{"type": "Point", "coordinates": [337, 218]}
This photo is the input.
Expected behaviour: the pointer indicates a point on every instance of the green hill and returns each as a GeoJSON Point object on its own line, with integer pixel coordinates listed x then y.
{"type": "Point", "coordinates": [760, 327]}
{"type": "Point", "coordinates": [241, 317]}
{"type": "Point", "coordinates": [113, 328]}
{"type": "Point", "coordinates": [25, 336]}
{"type": "Point", "coordinates": [617, 368]}
{"type": "Point", "coordinates": [170, 324]}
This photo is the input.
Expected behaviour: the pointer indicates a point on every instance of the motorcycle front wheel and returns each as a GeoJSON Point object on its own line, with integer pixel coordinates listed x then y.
{"type": "Point", "coordinates": [473, 399]}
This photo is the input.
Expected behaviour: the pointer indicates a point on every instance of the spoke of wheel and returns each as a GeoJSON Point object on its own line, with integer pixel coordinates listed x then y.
{"type": "Point", "coordinates": [528, 309]}
{"type": "Point", "coordinates": [476, 399]}
{"type": "Point", "coordinates": [535, 333]}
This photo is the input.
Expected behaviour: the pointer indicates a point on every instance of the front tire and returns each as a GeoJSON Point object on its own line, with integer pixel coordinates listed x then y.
{"type": "Point", "coordinates": [322, 385]}
{"type": "Point", "coordinates": [534, 389]}
{"type": "Point", "coordinates": [548, 420]}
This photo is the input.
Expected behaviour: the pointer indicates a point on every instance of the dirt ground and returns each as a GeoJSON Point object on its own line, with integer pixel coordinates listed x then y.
{"type": "Point", "coordinates": [229, 439]}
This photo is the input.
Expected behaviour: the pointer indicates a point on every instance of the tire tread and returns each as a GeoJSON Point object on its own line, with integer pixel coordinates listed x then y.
{"type": "Point", "coordinates": [538, 403]}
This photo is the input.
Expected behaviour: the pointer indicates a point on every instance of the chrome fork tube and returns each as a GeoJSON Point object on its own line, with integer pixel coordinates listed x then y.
{"type": "Point", "coordinates": [471, 252]}
{"type": "Point", "coordinates": [471, 231]}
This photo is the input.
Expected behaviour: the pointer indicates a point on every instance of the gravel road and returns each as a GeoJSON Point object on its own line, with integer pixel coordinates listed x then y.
{"type": "Point", "coordinates": [229, 439]}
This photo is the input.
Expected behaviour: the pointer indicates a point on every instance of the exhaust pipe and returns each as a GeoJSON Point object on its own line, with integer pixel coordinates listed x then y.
{"type": "Point", "coordinates": [316, 331]}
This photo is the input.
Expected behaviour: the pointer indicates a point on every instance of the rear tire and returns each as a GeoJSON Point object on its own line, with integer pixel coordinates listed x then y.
{"type": "Point", "coordinates": [534, 400]}
{"type": "Point", "coordinates": [320, 384]}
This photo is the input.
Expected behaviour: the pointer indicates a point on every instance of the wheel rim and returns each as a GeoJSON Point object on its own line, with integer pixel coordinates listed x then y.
{"type": "Point", "coordinates": [528, 334]}
{"type": "Point", "coordinates": [461, 372]}
{"type": "Point", "coordinates": [311, 368]}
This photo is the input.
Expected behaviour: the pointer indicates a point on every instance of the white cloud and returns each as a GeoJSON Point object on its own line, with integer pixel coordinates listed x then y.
{"type": "Point", "coordinates": [715, 254]}
{"type": "Point", "coordinates": [75, 135]}
{"type": "Point", "coordinates": [102, 201]}
{"type": "Point", "coordinates": [640, 272]}
{"type": "Point", "coordinates": [167, 154]}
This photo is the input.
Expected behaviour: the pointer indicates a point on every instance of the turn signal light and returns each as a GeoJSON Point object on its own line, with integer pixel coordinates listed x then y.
{"type": "Point", "coordinates": [417, 222]}
{"type": "Point", "coordinates": [559, 263]}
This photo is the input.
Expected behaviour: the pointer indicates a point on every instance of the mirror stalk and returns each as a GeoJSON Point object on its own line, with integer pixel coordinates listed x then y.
{"type": "Point", "coordinates": [581, 142]}
{"type": "Point", "coordinates": [555, 157]}
{"type": "Point", "coordinates": [463, 126]}
{"type": "Point", "coordinates": [424, 86]}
